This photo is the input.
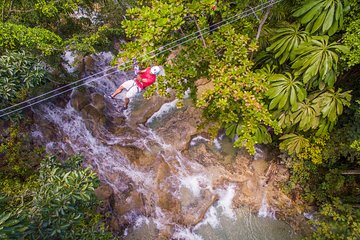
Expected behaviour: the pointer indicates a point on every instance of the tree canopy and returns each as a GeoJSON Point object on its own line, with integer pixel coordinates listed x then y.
{"type": "Point", "coordinates": [283, 74]}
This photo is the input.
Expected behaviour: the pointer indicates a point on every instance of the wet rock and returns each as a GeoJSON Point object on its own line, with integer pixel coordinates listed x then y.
{"type": "Point", "coordinates": [204, 155]}
{"type": "Point", "coordinates": [133, 202]}
{"type": "Point", "coordinates": [143, 109]}
{"type": "Point", "coordinates": [117, 126]}
{"type": "Point", "coordinates": [104, 192]}
{"type": "Point", "coordinates": [89, 64]}
{"type": "Point", "coordinates": [49, 132]}
{"type": "Point", "coordinates": [114, 224]}
{"type": "Point", "coordinates": [194, 218]}
{"type": "Point", "coordinates": [260, 167]}
{"type": "Point", "coordinates": [136, 155]}
{"type": "Point", "coordinates": [165, 233]}
{"type": "Point", "coordinates": [79, 99]}
{"type": "Point", "coordinates": [90, 113]}
{"type": "Point", "coordinates": [162, 173]}
{"type": "Point", "coordinates": [168, 202]}
{"type": "Point", "coordinates": [178, 130]}
{"type": "Point", "coordinates": [98, 101]}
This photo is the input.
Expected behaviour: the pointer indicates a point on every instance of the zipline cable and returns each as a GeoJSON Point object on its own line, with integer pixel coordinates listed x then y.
{"type": "Point", "coordinates": [241, 15]}
{"type": "Point", "coordinates": [57, 94]}
{"type": "Point", "coordinates": [56, 89]}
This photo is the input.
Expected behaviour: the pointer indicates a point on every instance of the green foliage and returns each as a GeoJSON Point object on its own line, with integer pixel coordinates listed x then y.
{"type": "Point", "coordinates": [14, 36]}
{"type": "Point", "coordinates": [328, 21]}
{"type": "Point", "coordinates": [19, 156]}
{"type": "Point", "coordinates": [318, 169]}
{"type": "Point", "coordinates": [286, 41]}
{"type": "Point", "coordinates": [317, 62]}
{"type": "Point", "coordinates": [151, 25]}
{"type": "Point", "coordinates": [307, 116]}
{"type": "Point", "coordinates": [59, 206]}
{"type": "Point", "coordinates": [320, 111]}
{"type": "Point", "coordinates": [332, 103]}
{"type": "Point", "coordinates": [53, 8]}
{"type": "Point", "coordinates": [352, 40]}
{"type": "Point", "coordinates": [12, 224]}
{"type": "Point", "coordinates": [236, 100]}
{"type": "Point", "coordinates": [90, 44]}
{"type": "Point", "coordinates": [237, 96]}
{"type": "Point", "coordinates": [293, 143]}
{"type": "Point", "coordinates": [19, 72]}
{"type": "Point", "coordinates": [337, 221]}
{"type": "Point", "coordinates": [285, 91]}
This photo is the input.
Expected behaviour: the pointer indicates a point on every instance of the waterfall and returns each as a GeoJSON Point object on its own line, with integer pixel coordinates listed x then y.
{"type": "Point", "coordinates": [157, 187]}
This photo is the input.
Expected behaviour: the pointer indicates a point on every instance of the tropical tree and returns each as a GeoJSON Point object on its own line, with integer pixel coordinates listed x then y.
{"type": "Point", "coordinates": [317, 62]}
{"type": "Point", "coordinates": [236, 100]}
{"type": "Point", "coordinates": [307, 116]}
{"type": "Point", "coordinates": [285, 91]}
{"type": "Point", "coordinates": [293, 143]}
{"type": "Point", "coordinates": [286, 41]}
{"type": "Point", "coordinates": [19, 73]}
{"type": "Point", "coordinates": [328, 21]}
{"type": "Point", "coordinates": [59, 205]}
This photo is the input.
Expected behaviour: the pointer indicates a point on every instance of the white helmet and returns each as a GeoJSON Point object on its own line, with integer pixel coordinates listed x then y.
{"type": "Point", "coordinates": [155, 70]}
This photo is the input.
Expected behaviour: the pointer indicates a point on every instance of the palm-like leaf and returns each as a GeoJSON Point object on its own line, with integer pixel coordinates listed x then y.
{"type": "Point", "coordinates": [307, 115]}
{"type": "Point", "coordinates": [285, 91]}
{"type": "Point", "coordinates": [332, 103]}
{"type": "Point", "coordinates": [283, 118]}
{"type": "Point", "coordinates": [325, 16]}
{"type": "Point", "coordinates": [293, 143]}
{"type": "Point", "coordinates": [318, 59]}
{"type": "Point", "coordinates": [286, 41]}
{"type": "Point", "coordinates": [262, 135]}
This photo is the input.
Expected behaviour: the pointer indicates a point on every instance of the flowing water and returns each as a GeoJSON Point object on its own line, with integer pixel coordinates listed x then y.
{"type": "Point", "coordinates": [177, 192]}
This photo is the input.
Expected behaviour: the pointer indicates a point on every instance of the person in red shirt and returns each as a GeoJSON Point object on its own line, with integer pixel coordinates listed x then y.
{"type": "Point", "coordinates": [143, 79]}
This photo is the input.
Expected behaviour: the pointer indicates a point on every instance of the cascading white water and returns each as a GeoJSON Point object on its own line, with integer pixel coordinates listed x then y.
{"type": "Point", "coordinates": [188, 182]}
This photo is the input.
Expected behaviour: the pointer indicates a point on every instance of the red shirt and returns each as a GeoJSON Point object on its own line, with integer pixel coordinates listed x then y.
{"type": "Point", "coordinates": [147, 77]}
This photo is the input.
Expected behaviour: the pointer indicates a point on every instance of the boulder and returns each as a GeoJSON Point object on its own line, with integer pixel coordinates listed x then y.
{"type": "Point", "coordinates": [98, 101]}
{"type": "Point", "coordinates": [143, 109]}
{"type": "Point", "coordinates": [90, 113]}
{"type": "Point", "coordinates": [104, 192]}
{"type": "Point", "coordinates": [132, 202]}
{"type": "Point", "coordinates": [79, 99]}
{"type": "Point", "coordinates": [178, 130]}
{"type": "Point", "coordinates": [136, 155]}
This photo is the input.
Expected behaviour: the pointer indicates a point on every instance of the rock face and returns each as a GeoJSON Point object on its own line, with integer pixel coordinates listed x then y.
{"type": "Point", "coordinates": [148, 180]}
{"type": "Point", "coordinates": [181, 127]}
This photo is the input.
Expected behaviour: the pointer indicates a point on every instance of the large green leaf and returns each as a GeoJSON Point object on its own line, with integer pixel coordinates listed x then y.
{"type": "Point", "coordinates": [325, 16]}
{"type": "Point", "coordinates": [286, 41]}
{"type": "Point", "coordinates": [285, 91]}
{"type": "Point", "coordinates": [307, 116]}
{"type": "Point", "coordinates": [293, 143]}
{"type": "Point", "coordinates": [317, 61]}
{"type": "Point", "coordinates": [332, 102]}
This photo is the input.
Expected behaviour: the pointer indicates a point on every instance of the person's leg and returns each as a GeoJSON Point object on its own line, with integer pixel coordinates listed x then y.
{"type": "Point", "coordinates": [131, 92]}
{"type": "Point", "coordinates": [126, 102]}
{"type": "Point", "coordinates": [126, 85]}
{"type": "Point", "coordinates": [117, 91]}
